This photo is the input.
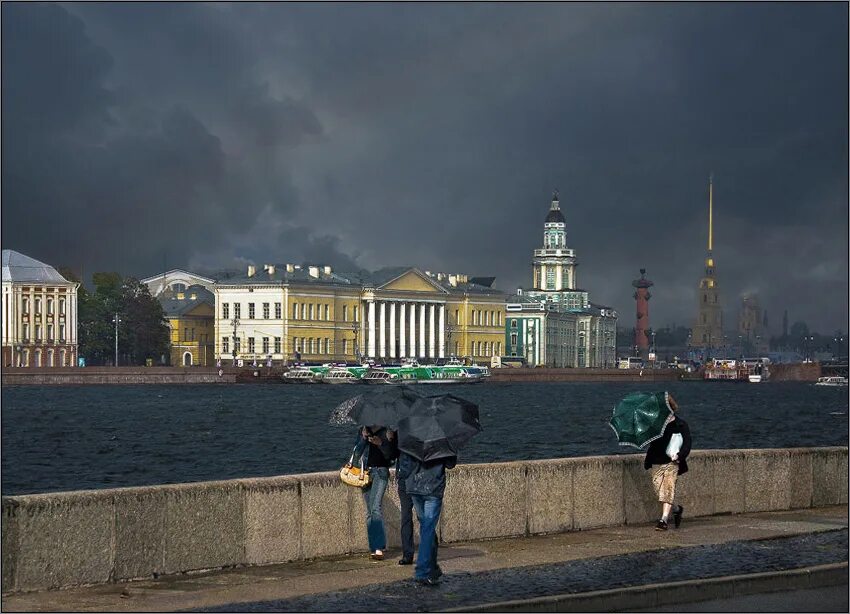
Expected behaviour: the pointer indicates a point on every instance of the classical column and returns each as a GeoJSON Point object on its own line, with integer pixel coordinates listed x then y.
{"type": "Point", "coordinates": [371, 319]}
{"type": "Point", "coordinates": [442, 345]}
{"type": "Point", "coordinates": [421, 330]}
{"type": "Point", "coordinates": [382, 325]}
{"type": "Point", "coordinates": [412, 351]}
{"type": "Point", "coordinates": [432, 329]}
{"type": "Point", "coordinates": [543, 277]}
{"type": "Point", "coordinates": [401, 331]}
{"type": "Point", "coordinates": [392, 331]}
{"type": "Point", "coordinates": [558, 277]}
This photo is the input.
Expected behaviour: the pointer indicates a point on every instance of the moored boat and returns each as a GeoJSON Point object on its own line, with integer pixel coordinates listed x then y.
{"type": "Point", "coordinates": [339, 375]}
{"type": "Point", "coordinates": [299, 375]}
{"type": "Point", "coordinates": [833, 380]}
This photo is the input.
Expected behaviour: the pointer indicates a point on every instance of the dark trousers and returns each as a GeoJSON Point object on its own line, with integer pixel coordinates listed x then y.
{"type": "Point", "coordinates": [406, 521]}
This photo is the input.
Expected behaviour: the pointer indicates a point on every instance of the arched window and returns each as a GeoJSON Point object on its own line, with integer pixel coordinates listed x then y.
{"type": "Point", "coordinates": [49, 358]}
{"type": "Point", "coordinates": [50, 306]}
{"type": "Point", "coordinates": [63, 358]}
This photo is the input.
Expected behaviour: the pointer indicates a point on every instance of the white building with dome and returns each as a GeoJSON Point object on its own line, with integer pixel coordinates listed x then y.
{"type": "Point", "coordinates": [39, 314]}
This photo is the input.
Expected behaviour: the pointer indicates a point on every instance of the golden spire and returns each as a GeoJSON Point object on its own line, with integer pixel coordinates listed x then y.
{"type": "Point", "coordinates": [710, 209]}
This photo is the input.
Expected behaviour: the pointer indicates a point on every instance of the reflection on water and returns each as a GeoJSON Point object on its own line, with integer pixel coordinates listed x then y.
{"type": "Point", "coordinates": [75, 437]}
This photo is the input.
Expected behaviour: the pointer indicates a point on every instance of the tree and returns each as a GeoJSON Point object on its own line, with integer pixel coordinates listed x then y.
{"type": "Point", "coordinates": [143, 325]}
{"type": "Point", "coordinates": [142, 332]}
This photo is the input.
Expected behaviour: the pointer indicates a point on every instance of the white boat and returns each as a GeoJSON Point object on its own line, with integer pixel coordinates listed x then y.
{"type": "Point", "coordinates": [379, 376]}
{"type": "Point", "coordinates": [299, 376]}
{"type": "Point", "coordinates": [834, 380]}
{"type": "Point", "coordinates": [339, 376]}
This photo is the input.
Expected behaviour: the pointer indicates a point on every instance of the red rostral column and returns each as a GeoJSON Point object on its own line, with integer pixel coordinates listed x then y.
{"type": "Point", "coordinates": [642, 297]}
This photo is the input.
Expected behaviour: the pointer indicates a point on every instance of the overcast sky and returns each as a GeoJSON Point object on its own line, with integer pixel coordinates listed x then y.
{"type": "Point", "coordinates": [138, 136]}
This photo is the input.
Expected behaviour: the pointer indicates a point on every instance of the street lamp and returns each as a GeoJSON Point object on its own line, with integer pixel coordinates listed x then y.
{"type": "Point", "coordinates": [117, 321]}
{"type": "Point", "coordinates": [235, 323]}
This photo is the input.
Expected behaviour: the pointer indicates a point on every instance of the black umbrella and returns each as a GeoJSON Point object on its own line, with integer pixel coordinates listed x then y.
{"type": "Point", "coordinates": [437, 427]}
{"type": "Point", "coordinates": [383, 406]}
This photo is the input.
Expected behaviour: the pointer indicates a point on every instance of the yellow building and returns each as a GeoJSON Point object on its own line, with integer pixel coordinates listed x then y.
{"type": "Point", "coordinates": [311, 313]}
{"type": "Point", "coordinates": [191, 318]}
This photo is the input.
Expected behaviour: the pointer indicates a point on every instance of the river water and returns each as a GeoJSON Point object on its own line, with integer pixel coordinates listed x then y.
{"type": "Point", "coordinates": [78, 437]}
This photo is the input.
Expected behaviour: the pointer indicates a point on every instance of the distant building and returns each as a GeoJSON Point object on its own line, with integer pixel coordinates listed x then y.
{"type": "Point", "coordinates": [554, 323]}
{"type": "Point", "coordinates": [707, 332]}
{"type": "Point", "coordinates": [191, 319]}
{"type": "Point", "coordinates": [312, 313]}
{"type": "Point", "coordinates": [39, 314]}
{"type": "Point", "coordinates": [752, 335]}
{"type": "Point", "coordinates": [176, 280]}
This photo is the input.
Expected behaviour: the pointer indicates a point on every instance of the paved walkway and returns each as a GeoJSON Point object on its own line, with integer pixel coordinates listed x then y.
{"type": "Point", "coordinates": [485, 572]}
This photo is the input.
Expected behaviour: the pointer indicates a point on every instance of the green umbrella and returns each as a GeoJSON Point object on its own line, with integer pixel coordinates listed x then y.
{"type": "Point", "coordinates": [640, 418]}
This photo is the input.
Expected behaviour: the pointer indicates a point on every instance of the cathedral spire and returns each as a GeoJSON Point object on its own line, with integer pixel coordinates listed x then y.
{"type": "Point", "coordinates": [555, 201]}
{"type": "Point", "coordinates": [710, 211]}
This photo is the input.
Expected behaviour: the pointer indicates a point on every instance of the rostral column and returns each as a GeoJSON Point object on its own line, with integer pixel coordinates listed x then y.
{"type": "Point", "coordinates": [642, 297]}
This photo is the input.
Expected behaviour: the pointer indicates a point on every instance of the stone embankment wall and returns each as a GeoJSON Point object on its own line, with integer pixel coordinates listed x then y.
{"type": "Point", "coordinates": [795, 372]}
{"type": "Point", "coordinates": [585, 375]}
{"type": "Point", "coordinates": [92, 537]}
{"type": "Point", "coordinates": [42, 376]}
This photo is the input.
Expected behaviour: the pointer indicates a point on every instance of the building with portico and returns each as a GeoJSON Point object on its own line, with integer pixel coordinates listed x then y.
{"type": "Point", "coordinates": [39, 320]}
{"type": "Point", "coordinates": [313, 313]}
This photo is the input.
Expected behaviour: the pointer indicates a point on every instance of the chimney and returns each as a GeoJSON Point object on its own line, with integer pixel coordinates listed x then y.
{"type": "Point", "coordinates": [453, 281]}
{"type": "Point", "coordinates": [180, 296]}
{"type": "Point", "coordinates": [290, 268]}
{"type": "Point", "coordinates": [193, 296]}
{"type": "Point", "coordinates": [314, 271]}
{"type": "Point", "coordinates": [271, 269]}
{"type": "Point", "coordinates": [327, 270]}
{"type": "Point", "coordinates": [251, 270]}
{"type": "Point", "coordinates": [440, 276]}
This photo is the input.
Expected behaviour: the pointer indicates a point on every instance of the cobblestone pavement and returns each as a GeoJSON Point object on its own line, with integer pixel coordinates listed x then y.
{"type": "Point", "coordinates": [467, 589]}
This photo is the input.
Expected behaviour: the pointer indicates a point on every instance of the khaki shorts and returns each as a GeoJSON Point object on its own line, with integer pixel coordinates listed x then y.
{"type": "Point", "coordinates": [664, 481]}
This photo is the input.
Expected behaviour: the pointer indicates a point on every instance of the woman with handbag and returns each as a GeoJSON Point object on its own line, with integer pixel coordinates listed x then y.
{"type": "Point", "coordinates": [669, 453]}
{"type": "Point", "coordinates": [378, 448]}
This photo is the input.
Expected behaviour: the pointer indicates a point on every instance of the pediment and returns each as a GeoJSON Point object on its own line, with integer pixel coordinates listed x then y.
{"type": "Point", "coordinates": [412, 280]}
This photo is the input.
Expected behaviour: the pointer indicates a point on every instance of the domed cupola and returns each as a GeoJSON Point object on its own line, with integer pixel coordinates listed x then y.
{"type": "Point", "coordinates": [555, 215]}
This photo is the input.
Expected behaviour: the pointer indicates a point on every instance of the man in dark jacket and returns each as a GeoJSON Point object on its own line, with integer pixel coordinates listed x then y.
{"type": "Point", "coordinates": [668, 468]}
{"type": "Point", "coordinates": [425, 483]}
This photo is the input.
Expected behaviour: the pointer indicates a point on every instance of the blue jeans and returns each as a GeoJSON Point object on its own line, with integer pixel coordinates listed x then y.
{"type": "Point", "coordinates": [428, 511]}
{"type": "Point", "coordinates": [373, 495]}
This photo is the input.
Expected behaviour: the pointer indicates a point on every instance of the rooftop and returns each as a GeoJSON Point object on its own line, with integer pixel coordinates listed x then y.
{"type": "Point", "coordinates": [18, 267]}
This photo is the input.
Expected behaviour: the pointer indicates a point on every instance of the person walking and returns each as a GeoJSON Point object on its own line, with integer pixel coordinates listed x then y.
{"type": "Point", "coordinates": [669, 462]}
{"type": "Point", "coordinates": [425, 483]}
{"type": "Point", "coordinates": [380, 447]}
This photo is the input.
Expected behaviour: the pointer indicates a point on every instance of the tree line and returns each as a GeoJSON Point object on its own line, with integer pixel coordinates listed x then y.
{"type": "Point", "coordinates": [143, 331]}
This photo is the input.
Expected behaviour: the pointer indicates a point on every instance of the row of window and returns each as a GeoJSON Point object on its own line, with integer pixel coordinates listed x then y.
{"type": "Point", "coordinates": [485, 318]}
{"type": "Point", "coordinates": [25, 306]}
{"type": "Point", "coordinates": [252, 347]}
{"type": "Point", "coordinates": [252, 315]}
{"type": "Point", "coordinates": [38, 330]}
{"type": "Point", "coordinates": [486, 348]}
{"type": "Point", "coordinates": [189, 335]}
{"type": "Point", "coordinates": [24, 359]}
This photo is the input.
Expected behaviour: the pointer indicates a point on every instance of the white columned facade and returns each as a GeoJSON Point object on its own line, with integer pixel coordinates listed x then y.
{"type": "Point", "coordinates": [382, 326]}
{"type": "Point", "coordinates": [392, 331]}
{"type": "Point", "coordinates": [371, 319]}
{"type": "Point", "coordinates": [412, 351]}
{"type": "Point", "coordinates": [421, 352]}
{"type": "Point", "coordinates": [442, 344]}
{"type": "Point", "coordinates": [432, 326]}
{"type": "Point", "coordinates": [401, 331]}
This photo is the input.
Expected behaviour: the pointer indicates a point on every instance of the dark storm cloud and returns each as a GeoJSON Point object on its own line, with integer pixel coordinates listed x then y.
{"type": "Point", "coordinates": [372, 135]}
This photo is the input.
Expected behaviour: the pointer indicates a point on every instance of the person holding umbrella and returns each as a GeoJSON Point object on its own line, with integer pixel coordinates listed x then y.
{"type": "Point", "coordinates": [649, 419]}
{"type": "Point", "coordinates": [428, 440]}
{"type": "Point", "coordinates": [382, 408]}
{"type": "Point", "coordinates": [378, 444]}
{"type": "Point", "coordinates": [669, 455]}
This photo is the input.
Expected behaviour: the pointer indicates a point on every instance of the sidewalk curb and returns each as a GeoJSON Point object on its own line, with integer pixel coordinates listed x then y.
{"type": "Point", "coordinates": [670, 593]}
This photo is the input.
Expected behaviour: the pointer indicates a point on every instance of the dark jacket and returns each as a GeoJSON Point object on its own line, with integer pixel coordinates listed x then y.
{"type": "Point", "coordinates": [656, 454]}
{"type": "Point", "coordinates": [426, 479]}
{"type": "Point", "coordinates": [376, 456]}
